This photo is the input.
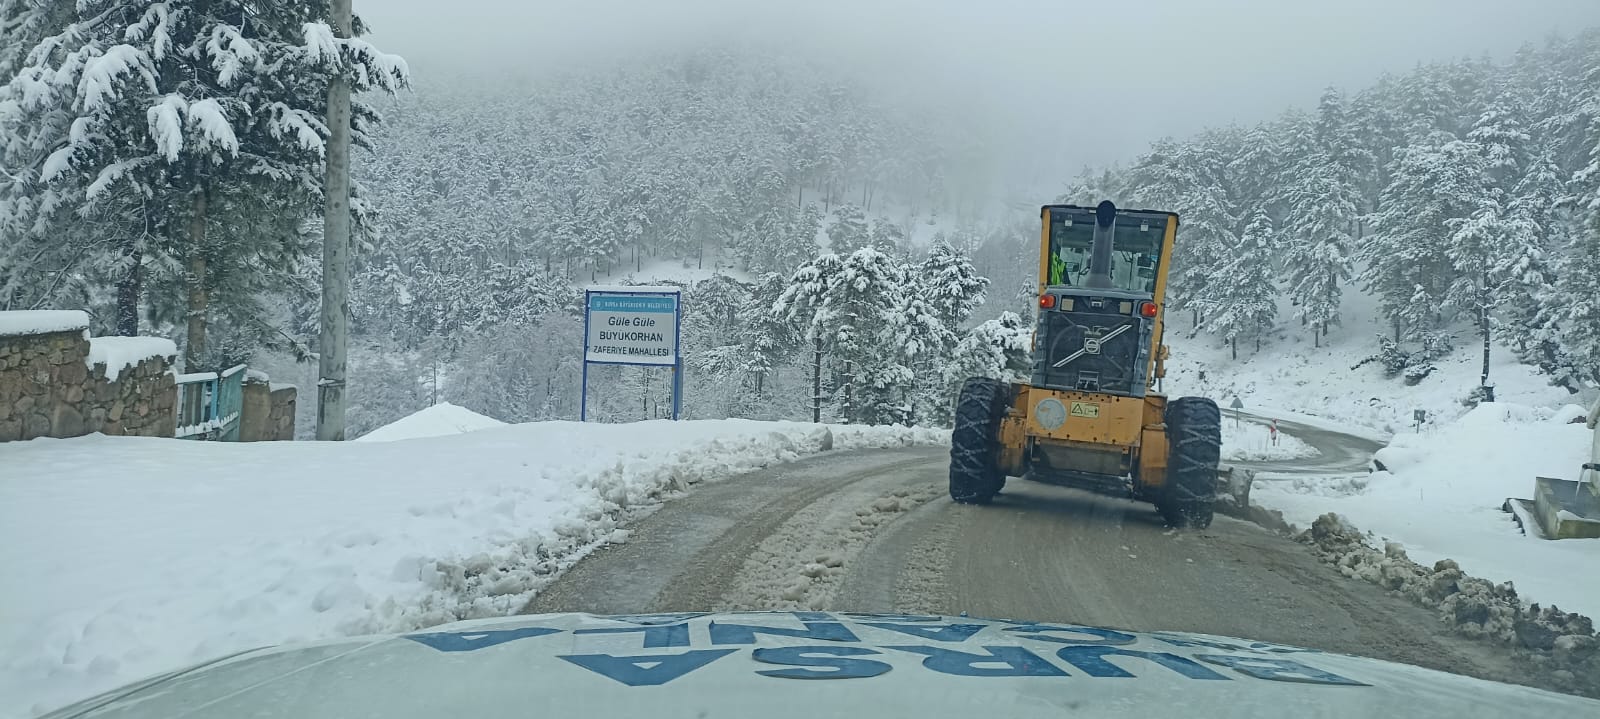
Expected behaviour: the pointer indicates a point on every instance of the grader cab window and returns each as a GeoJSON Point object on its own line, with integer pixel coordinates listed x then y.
{"type": "Point", "coordinates": [1135, 254]}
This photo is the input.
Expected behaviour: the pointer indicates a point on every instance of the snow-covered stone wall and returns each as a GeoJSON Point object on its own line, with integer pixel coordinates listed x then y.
{"type": "Point", "coordinates": [53, 385]}
{"type": "Point", "coordinates": [267, 414]}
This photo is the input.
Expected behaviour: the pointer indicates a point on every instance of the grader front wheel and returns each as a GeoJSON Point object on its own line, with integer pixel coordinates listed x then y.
{"type": "Point", "coordinates": [1194, 441]}
{"type": "Point", "coordinates": [975, 475]}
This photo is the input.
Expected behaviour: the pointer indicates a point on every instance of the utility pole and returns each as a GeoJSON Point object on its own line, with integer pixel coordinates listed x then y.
{"type": "Point", "coordinates": [335, 246]}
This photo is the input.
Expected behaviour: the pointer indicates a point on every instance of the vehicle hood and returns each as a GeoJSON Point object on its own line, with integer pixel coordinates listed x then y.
{"type": "Point", "coordinates": [805, 664]}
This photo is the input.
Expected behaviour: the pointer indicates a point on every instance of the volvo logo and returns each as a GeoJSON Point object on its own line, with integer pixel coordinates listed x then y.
{"type": "Point", "coordinates": [1091, 345]}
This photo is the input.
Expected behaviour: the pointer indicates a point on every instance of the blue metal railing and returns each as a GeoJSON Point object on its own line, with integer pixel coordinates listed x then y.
{"type": "Point", "coordinates": [209, 404]}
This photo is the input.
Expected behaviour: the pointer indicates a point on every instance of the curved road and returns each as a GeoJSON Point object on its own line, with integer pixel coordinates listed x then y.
{"type": "Point", "coordinates": [1337, 453]}
{"type": "Point", "coordinates": [875, 532]}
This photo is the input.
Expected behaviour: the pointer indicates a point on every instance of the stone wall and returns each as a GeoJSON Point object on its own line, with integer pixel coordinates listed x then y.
{"type": "Point", "coordinates": [267, 414]}
{"type": "Point", "coordinates": [47, 389]}
{"type": "Point", "coordinates": [283, 408]}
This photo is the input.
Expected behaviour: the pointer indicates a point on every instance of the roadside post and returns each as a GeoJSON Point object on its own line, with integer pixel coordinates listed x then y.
{"type": "Point", "coordinates": [633, 326]}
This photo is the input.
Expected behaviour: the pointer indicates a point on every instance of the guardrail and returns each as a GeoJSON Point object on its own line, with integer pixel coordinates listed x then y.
{"type": "Point", "coordinates": [209, 404]}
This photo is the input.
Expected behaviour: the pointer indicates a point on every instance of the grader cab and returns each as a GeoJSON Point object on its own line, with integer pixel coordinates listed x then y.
{"type": "Point", "coordinates": [1090, 416]}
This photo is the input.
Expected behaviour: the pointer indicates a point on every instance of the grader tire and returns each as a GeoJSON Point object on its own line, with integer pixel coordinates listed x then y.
{"type": "Point", "coordinates": [1194, 440]}
{"type": "Point", "coordinates": [975, 475]}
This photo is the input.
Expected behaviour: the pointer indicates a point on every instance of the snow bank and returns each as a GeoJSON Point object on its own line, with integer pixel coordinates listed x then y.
{"type": "Point", "coordinates": [437, 421]}
{"type": "Point", "coordinates": [1251, 441]}
{"type": "Point", "coordinates": [32, 322]}
{"type": "Point", "coordinates": [119, 353]}
{"type": "Point", "coordinates": [142, 554]}
{"type": "Point", "coordinates": [1442, 492]}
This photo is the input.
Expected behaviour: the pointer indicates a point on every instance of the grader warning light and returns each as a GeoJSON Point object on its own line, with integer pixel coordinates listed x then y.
{"type": "Point", "coordinates": [1097, 354]}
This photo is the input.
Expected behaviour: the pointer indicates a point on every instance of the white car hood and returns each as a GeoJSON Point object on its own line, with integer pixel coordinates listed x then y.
{"type": "Point", "coordinates": [805, 664]}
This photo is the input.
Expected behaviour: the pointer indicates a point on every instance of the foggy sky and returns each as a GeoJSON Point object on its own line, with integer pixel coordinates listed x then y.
{"type": "Point", "coordinates": [1095, 80]}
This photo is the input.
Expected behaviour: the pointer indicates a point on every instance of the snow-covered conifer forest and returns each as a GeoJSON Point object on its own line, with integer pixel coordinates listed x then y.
{"type": "Point", "coordinates": [161, 166]}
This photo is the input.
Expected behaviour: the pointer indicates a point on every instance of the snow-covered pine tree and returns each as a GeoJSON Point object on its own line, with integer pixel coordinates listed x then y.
{"type": "Point", "coordinates": [869, 288]}
{"type": "Point", "coordinates": [887, 237]}
{"type": "Point", "coordinates": [1257, 171]}
{"type": "Point", "coordinates": [849, 231]}
{"type": "Point", "coordinates": [1407, 257]}
{"type": "Point", "coordinates": [1577, 276]}
{"type": "Point", "coordinates": [1539, 221]}
{"type": "Point", "coordinates": [1319, 244]}
{"type": "Point", "coordinates": [1186, 177]}
{"type": "Point", "coordinates": [1246, 305]}
{"type": "Point", "coordinates": [1346, 156]}
{"type": "Point", "coordinates": [1576, 294]}
{"type": "Point", "coordinates": [807, 304]}
{"type": "Point", "coordinates": [951, 284]}
{"type": "Point", "coordinates": [769, 339]}
{"type": "Point", "coordinates": [207, 113]}
{"type": "Point", "coordinates": [997, 348]}
{"type": "Point", "coordinates": [950, 289]}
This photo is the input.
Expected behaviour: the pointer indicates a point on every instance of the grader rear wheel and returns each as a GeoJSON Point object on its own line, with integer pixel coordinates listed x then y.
{"type": "Point", "coordinates": [975, 475]}
{"type": "Point", "coordinates": [1194, 440]}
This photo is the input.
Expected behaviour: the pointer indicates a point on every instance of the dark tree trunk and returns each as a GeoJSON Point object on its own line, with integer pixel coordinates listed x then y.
{"type": "Point", "coordinates": [816, 382]}
{"type": "Point", "coordinates": [1234, 345]}
{"type": "Point", "coordinates": [849, 392]}
{"type": "Point", "coordinates": [128, 290]}
{"type": "Point", "coordinates": [1316, 336]}
{"type": "Point", "coordinates": [195, 279]}
{"type": "Point", "coordinates": [1483, 320]}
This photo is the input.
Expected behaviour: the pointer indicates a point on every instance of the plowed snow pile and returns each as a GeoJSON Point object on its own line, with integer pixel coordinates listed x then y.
{"type": "Point", "coordinates": [130, 556]}
{"type": "Point", "coordinates": [437, 421]}
{"type": "Point", "coordinates": [1251, 441]}
{"type": "Point", "coordinates": [1441, 498]}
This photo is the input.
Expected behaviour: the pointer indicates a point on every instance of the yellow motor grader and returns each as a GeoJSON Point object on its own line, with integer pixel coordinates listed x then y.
{"type": "Point", "coordinates": [1090, 416]}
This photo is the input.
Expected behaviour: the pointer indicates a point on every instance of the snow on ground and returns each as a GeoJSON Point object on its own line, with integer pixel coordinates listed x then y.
{"type": "Point", "coordinates": [1252, 441]}
{"type": "Point", "coordinates": [666, 271]}
{"type": "Point", "coordinates": [30, 322]}
{"type": "Point", "coordinates": [119, 353]}
{"type": "Point", "coordinates": [437, 421]}
{"type": "Point", "coordinates": [1442, 493]}
{"type": "Point", "coordinates": [137, 555]}
{"type": "Point", "coordinates": [1290, 373]}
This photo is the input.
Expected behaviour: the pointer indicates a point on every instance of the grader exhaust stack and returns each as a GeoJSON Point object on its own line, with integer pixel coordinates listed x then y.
{"type": "Point", "coordinates": [1105, 227]}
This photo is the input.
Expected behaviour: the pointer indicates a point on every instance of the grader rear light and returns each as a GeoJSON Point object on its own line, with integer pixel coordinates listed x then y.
{"type": "Point", "coordinates": [1147, 309]}
{"type": "Point", "coordinates": [1047, 302]}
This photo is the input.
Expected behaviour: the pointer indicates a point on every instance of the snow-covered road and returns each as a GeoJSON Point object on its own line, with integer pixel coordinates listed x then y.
{"type": "Point", "coordinates": [873, 532]}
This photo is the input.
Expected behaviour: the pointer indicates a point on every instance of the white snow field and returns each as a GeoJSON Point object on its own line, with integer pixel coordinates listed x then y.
{"type": "Point", "coordinates": [1292, 375]}
{"type": "Point", "coordinates": [440, 420]}
{"type": "Point", "coordinates": [1441, 497]}
{"type": "Point", "coordinates": [1250, 440]}
{"type": "Point", "coordinates": [129, 556]}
